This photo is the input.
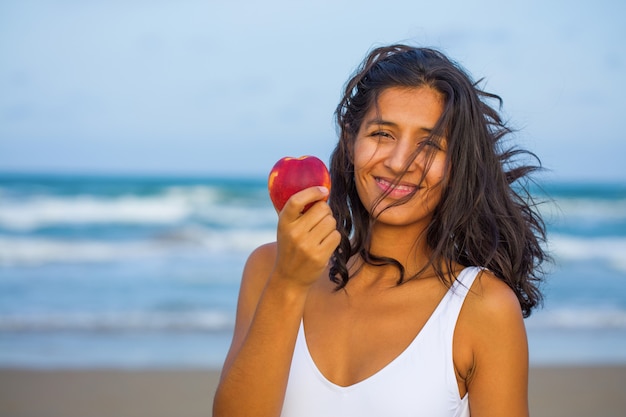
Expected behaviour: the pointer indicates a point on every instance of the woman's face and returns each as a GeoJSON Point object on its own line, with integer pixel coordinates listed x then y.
{"type": "Point", "coordinates": [392, 130]}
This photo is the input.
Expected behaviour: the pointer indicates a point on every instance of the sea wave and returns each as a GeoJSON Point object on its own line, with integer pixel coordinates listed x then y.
{"type": "Point", "coordinates": [170, 206]}
{"type": "Point", "coordinates": [588, 209]}
{"type": "Point", "coordinates": [29, 251]}
{"type": "Point", "coordinates": [45, 211]}
{"type": "Point", "coordinates": [587, 318]}
{"type": "Point", "coordinates": [611, 250]}
{"type": "Point", "coordinates": [206, 321]}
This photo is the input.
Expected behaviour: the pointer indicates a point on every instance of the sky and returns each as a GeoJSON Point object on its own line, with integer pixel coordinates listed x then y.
{"type": "Point", "coordinates": [228, 87]}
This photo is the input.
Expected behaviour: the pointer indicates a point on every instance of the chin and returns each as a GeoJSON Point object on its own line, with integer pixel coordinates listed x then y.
{"type": "Point", "coordinates": [402, 216]}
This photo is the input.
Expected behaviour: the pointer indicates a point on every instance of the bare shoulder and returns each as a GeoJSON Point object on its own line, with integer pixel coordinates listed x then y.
{"type": "Point", "coordinates": [491, 313]}
{"type": "Point", "coordinates": [491, 298]}
{"type": "Point", "coordinates": [490, 323]}
{"type": "Point", "coordinates": [262, 257]}
{"type": "Point", "coordinates": [258, 268]}
{"type": "Point", "coordinates": [491, 349]}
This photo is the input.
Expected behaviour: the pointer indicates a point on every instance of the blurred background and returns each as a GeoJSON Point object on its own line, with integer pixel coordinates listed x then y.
{"type": "Point", "coordinates": [136, 137]}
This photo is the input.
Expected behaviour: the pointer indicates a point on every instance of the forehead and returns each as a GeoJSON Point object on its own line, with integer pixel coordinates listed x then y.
{"type": "Point", "coordinates": [421, 106]}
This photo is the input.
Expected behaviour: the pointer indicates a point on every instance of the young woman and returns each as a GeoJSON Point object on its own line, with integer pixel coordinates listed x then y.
{"type": "Point", "coordinates": [405, 294]}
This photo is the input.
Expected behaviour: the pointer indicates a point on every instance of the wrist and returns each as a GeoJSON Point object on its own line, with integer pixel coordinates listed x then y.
{"type": "Point", "coordinates": [287, 290]}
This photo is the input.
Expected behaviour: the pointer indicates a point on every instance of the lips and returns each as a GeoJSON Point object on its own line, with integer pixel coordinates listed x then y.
{"type": "Point", "coordinates": [395, 190]}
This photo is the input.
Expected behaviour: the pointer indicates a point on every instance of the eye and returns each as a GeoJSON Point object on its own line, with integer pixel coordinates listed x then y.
{"type": "Point", "coordinates": [430, 143]}
{"type": "Point", "coordinates": [381, 134]}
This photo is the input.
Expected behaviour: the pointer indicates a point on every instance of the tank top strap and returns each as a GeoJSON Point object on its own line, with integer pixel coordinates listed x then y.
{"type": "Point", "coordinates": [457, 293]}
{"type": "Point", "coordinates": [464, 281]}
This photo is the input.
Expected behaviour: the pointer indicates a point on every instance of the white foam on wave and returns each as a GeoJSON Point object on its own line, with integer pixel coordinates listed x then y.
{"type": "Point", "coordinates": [225, 240]}
{"type": "Point", "coordinates": [117, 322]}
{"type": "Point", "coordinates": [586, 318]}
{"type": "Point", "coordinates": [30, 251]}
{"type": "Point", "coordinates": [37, 251]}
{"type": "Point", "coordinates": [585, 208]}
{"type": "Point", "coordinates": [44, 211]}
{"type": "Point", "coordinates": [236, 216]}
{"type": "Point", "coordinates": [172, 205]}
{"type": "Point", "coordinates": [611, 250]}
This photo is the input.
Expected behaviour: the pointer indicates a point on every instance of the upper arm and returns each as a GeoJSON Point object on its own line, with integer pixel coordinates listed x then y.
{"type": "Point", "coordinates": [255, 274]}
{"type": "Point", "coordinates": [497, 382]}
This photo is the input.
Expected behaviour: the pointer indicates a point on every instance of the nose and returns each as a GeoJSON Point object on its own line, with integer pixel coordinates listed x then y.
{"type": "Point", "coordinates": [402, 157]}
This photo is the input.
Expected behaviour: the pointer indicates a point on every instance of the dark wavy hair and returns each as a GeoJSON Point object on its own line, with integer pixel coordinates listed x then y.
{"type": "Point", "coordinates": [486, 216]}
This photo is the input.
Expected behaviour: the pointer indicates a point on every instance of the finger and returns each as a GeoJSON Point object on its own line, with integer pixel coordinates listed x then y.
{"type": "Point", "coordinates": [332, 241]}
{"type": "Point", "coordinates": [323, 228]}
{"type": "Point", "coordinates": [312, 226]}
{"type": "Point", "coordinates": [320, 224]}
{"type": "Point", "coordinates": [327, 244]}
{"type": "Point", "coordinates": [300, 200]}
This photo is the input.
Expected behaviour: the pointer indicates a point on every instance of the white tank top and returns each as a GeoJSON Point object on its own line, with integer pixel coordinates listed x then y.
{"type": "Point", "coordinates": [421, 381]}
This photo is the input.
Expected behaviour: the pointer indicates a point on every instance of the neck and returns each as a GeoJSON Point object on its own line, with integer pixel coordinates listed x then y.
{"type": "Point", "coordinates": [399, 242]}
{"type": "Point", "coordinates": [405, 244]}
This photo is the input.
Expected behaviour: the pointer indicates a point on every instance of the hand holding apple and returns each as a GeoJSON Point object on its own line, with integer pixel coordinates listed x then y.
{"type": "Point", "coordinates": [290, 175]}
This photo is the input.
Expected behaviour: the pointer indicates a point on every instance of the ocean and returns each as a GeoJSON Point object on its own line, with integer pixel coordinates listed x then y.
{"type": "Point", "coordinates": [134, 272]}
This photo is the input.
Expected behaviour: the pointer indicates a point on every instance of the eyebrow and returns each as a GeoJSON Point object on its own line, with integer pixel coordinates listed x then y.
{"type": "Point", "coordinates": [382, 122]}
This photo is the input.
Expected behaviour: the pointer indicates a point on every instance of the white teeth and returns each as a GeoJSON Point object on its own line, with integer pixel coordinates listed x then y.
{"type": "Point", "coordinates": [395, 187]}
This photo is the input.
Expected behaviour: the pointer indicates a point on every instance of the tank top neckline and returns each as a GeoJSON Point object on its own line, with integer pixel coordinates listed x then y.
{"type": "Point", "coordinates": [402, 354]}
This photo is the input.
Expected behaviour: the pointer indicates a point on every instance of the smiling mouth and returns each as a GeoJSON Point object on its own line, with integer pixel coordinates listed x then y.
{"type": "Point", "coordinates": [395, 190]}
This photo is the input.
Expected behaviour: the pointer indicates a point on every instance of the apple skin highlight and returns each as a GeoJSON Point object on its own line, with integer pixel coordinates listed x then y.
{"type": "Point", "coordinates": [290, 175]}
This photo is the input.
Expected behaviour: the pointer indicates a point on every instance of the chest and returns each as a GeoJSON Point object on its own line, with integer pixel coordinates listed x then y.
{"type": "Point", "coordinates": [407, 387]}
{"type": "Point", "coordinates": [352, 337]}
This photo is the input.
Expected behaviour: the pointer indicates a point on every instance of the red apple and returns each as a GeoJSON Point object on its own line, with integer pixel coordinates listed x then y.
{"type": "Point", "coordinates": [290, 175]}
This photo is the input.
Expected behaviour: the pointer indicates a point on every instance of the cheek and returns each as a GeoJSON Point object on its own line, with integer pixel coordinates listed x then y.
{"type": "Point", "coordinates": [438, 170]}
{"type": "Point", "coordinates": [362, 160]}
{"type": "Point", "coordinates": [363, 154]}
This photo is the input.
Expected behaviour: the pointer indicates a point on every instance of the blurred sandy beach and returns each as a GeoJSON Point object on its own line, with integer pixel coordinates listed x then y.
{"type": "Point", "coordinates": [554, 392]}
